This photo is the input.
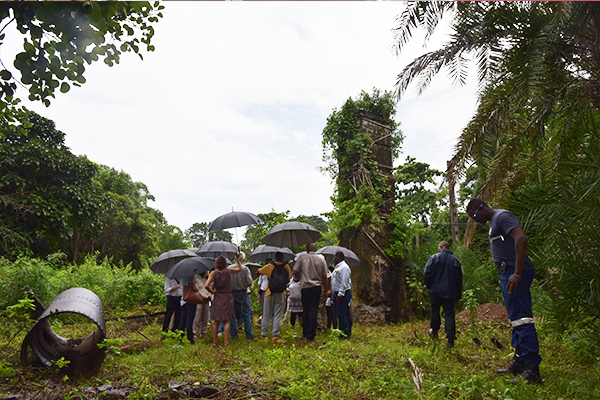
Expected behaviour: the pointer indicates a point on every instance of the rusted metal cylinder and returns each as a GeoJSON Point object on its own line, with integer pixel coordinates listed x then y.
{"type": "Point", "coordinates": [84, 355]}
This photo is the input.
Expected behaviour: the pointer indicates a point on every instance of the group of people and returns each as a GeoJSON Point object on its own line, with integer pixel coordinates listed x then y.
{"type": "Point", "coordinates": [225, 294]}
{"type": "Point", "coordinates": [443, 277]}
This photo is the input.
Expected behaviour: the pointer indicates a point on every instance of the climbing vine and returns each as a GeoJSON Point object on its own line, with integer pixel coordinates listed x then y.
{"type": "Point", "coordinates": [347, 152]}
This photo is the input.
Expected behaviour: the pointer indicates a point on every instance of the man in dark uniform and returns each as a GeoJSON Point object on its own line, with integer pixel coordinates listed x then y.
{"type": "Point", "coordinates": [509, 250]}
{"type": "Point", "coordinates": [443, 277]}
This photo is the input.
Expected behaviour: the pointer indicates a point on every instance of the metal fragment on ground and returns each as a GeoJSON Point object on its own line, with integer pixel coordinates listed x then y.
{"type": "Point", "coordinates": [43, 347]}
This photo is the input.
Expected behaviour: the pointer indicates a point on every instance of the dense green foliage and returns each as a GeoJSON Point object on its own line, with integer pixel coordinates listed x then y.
{"type": "Point", "coordinates": [532, 146]}
{"type": "Point", "coordinates": [119, 287]}
{"type": "Point", "coordinates": [52, 200]}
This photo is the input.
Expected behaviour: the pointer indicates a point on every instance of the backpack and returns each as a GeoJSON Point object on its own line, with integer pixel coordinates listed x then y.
{"type": "Point", "coordinates": [279, 279]}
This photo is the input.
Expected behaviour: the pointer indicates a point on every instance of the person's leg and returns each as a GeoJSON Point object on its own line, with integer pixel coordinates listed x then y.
{"type": "Point", "coordinates": [518, 307]}
{"type": "Point", "coordinates": [449, 320]}
{"type": "Point", "coordinates": [191, 314]}
{"type": "Point", "coordinates": [168, 314]}
{"type": "Point", "coordinates": [182, 320]}
{"type": "Point", "coordinates": [305, 302]}
{"type": "Point", "coordinates": [215, 331]}
{"type": "Point", "coordinates": [342, 312]}
{"type": "Point", "coordinates": [435, 320]}
{"type": "Point", "coordinates": [293, 318]}
{"type": "Point", "coordinates": [312, 311]}
{"type": "Point", "coordinates": [197, 320]}
{"type": "Point", "coordinates": [266, 317]}
{"type": "Point", "coordinates": [279, 300]}
{"type": "Point", "coordinates": [227, 332]}
{"type": "Point", "coordinates": [247, 317]}
{"type": "Point", "coordinates": [204, 310]}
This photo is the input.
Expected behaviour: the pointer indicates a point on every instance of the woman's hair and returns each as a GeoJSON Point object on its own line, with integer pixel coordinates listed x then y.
{"type": "Point", "coordinates": [221, 263]}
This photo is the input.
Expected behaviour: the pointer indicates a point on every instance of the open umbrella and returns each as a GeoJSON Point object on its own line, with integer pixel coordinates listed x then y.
{"type": "Point", "coordinates": [262, 252]}
{"type": "Point", "coordinates": [190, 267]}
{"type": "Point", "coordinates": [166, 260]}
{"type": "Point", "coordinates": [291, 234]}
{"type": "Point", "coordinates": [234, 219]}
{"type": "Point", "coordinates": [217, 248]}
{"type": "Point", "coordinates": [253, 267]}
{"type": "Point", "coordinates": [329, 252]}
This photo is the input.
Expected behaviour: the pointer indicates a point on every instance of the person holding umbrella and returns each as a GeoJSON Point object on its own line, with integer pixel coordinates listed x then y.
{"type": "Point", "coordinates": [222, 304]}
{"type": "Point", "coordinates": [173, 291]}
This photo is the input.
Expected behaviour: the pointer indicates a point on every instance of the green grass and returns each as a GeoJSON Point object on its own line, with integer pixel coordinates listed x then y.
{"type": "Point", "coordinates": [374, 364]}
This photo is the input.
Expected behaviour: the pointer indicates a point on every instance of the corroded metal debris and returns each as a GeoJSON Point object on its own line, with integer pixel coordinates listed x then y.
{"type": "Point", "coordinates": [42, 346]}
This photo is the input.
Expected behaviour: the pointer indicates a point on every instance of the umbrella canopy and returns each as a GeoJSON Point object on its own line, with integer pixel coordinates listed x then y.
{"type": "Point", "coordinates": [217, 249]}
{"type": "Point", "coordinates": [234, 219]}
{"type": "Point", "coordinates": [190, 267]}
{"type": "Point", "coordinates": [165, 261]}
{"type": "Point", "coordinates": [329, 251]}
{"type": "Point", "coordinates": [291, 234]}
{"type": "Point", "coordinates": [262, 252]}
{"type": "Point", "coordinates": [253, 267]}
{"type": "Point", "coordinates": [299, 255]}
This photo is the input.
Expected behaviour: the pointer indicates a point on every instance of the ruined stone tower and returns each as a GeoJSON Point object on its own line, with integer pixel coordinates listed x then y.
{"type": "Point", "coordinates": [379, 289]}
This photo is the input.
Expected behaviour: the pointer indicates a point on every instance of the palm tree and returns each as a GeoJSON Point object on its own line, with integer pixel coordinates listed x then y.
{"type": "Point", "coordinates": [533, 60]}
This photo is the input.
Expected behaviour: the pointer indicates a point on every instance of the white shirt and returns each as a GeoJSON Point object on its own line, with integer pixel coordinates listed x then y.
{"type": "Point", "coordinates": [340, 279]}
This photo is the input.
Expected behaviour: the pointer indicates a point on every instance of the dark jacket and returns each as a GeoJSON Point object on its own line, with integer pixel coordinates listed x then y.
{"type": "Point", "coordinates": [443, 275]}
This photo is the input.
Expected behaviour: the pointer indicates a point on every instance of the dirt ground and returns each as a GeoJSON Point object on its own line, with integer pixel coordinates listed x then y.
{"type": "Point", "coordinates": [485, 313]}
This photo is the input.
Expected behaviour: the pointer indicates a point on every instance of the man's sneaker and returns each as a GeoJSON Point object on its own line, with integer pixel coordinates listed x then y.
{"type": "Point", "coordinates": [516, 367]}
{"type": "Point", "coordinates": [530, 374]}
{"type": "Point", "coordinates": [433, 334]}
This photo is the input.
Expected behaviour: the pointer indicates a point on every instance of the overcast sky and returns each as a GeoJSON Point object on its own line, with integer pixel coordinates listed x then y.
{"type": "Point", "coordinates": [229, 109]}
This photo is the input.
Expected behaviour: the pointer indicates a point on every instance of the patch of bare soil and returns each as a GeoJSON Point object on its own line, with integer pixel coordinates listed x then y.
{"type": "Point", "coordinates": [485, 313]}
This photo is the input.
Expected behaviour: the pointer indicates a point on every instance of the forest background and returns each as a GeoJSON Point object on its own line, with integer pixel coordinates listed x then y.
{"type": "Point", "coordinates": [532, 147]}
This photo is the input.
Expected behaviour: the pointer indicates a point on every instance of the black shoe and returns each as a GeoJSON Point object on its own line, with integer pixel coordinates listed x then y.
{"type": "Point", "coordinates": [530, 374]}
{"type": "Point", "coordinates": [433, 334]}
{"type": "Point", "coordinates": [450, 343]}
{"type": "Point", "coordinates": [516, 367]}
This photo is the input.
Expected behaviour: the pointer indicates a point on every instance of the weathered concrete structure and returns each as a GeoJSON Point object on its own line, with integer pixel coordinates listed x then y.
{"type": "Point", "coordinates": [379, 289]}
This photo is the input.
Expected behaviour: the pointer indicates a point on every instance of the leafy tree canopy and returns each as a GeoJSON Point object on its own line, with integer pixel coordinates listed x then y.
{"type": "Point", "coordinates": [62, 37]}
{"type": "Point", "coordinates": [198, 234]}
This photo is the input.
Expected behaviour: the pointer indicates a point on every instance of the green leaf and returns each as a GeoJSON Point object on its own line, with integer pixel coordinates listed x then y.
{"type": "Point", "coordinates": [5, 75]}
{"type": "Point", "coordinates": [64, 87]}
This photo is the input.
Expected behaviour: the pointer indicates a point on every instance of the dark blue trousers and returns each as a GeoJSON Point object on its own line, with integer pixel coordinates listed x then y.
{"type": "Point", "coordinates": [343, 312]}
{"type": "Point", "coordinates": [518, 306]}
{"type": "Point", "coordinates": [435, 320]}
{"type": "Point", "coordinates": [240, 303]}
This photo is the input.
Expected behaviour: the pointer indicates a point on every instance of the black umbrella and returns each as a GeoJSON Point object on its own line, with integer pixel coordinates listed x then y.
{"type": "Point", "coordinates": [291, 234]}
{"type": "Point", "coordinates": [217, 248]}
{"type": "Point", "coordinates": [329, 252]}
{"type": "Point", "coordinates": [166, 260]}
{"type": "Point", "coordinates": [262, 252]}
{"type": "Point", "coordinates": [253, 267]}
{"type": "Point", "coordinates": [190, 267]}
{"type": "Point", "coordinates": [234, 219]}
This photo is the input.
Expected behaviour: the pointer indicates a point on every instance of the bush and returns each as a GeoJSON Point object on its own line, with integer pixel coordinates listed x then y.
{"type": "Point", "coordinates": [119, 287]}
